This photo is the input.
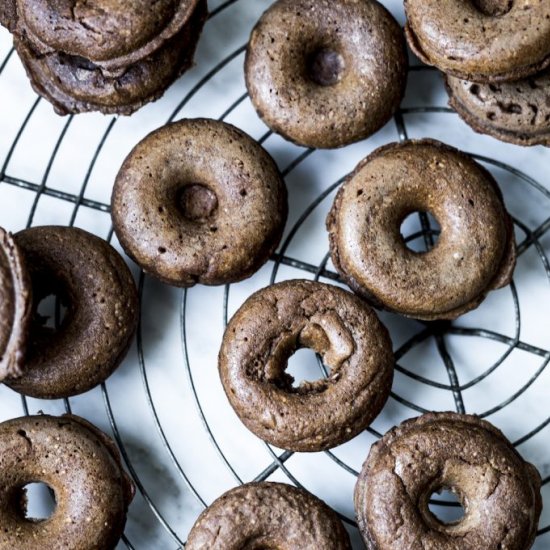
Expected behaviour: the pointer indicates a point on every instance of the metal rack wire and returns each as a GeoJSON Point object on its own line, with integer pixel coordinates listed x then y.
{"type": "Point", "coordinates": [531, 238]}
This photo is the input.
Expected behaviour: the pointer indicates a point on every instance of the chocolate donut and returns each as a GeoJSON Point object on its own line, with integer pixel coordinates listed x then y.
{"type": "Point", "coordinates": [199, 201]}
{"type": "Point", "coordinates": [481, 40]}
{"type": "Point", "coordinates": [516, 112]}
{"type": "Point", "coordinates": [111, 33]}
{"type": "Point", "coordinates": [95, 285]}
{"type": "Point", "coordinates": [81, 465]}
{"type": "Point", "coordinates": [15, 307]}
{"type": "Point", "coordinates": [268, 328]}
{"type": "Point", "coordinates": [268, 515]}
{"type": "Point", "coordinates": [499, 491]}
{"type": "Point", "coordinates": [75, 85]}
{"type": "Point", "coordinates": [476, 249]}
{"type": "Point", "coordinates": [326, 73]}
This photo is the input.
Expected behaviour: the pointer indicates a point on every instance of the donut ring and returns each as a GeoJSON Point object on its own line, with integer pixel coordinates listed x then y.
{"type": "Point", "coordinates": [111, 35]}
{"type": "Point", "coordinates": [75, 85]}
{"type": "Point", "coordinates": [268, 515]}
{"type": "Point", "coordinates": [268, 328]}
{"type": "Point", "coordinates": [96, 286]}
{"type": "Point", "coordinates": [199, 201]}
{"type": "Point", "coordinates": [476, 249]}
{"type": "Point", "coordinates": [326, 73]}
{"type": "Point", "coordinates": [81, 465]}
{"type": "Point", "coordinates": [499, 491]}
{"type": "Point", "coordinates": [516, 112]}
{"type": "Point", "coordinates": [15, 307]}
{"type": "Point", "coordinates": [481, 40]}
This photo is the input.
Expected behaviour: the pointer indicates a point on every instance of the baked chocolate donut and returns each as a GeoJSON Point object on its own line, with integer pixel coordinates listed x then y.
{"type": "Point", "coordinates": [326, 73]}
{"type": "Point", "coordinates": [499, 491]}
{"type": "Point", "coordinates": [199, 201]}
{"type": "Point", "coordinates": [81, 465]}
{"type": "Point", "coordinates": [95, 285]}
{"type": "Point", "coordinates": [15, 306]}
{"type": "Point", "coordinates": [74, 84]}
{"type": "Point", "coordinates": [268, 328]}
{"type": "Point", "coordinates": [268, 515]}
{"type": "Point", "coordinates": [517, 112]}
{"type": "Point", "coordinates": [111, 33]}
{"type": "Point", "coordinates": [475, 252]}
{"type": "Point", "coordinates": [481, 40]}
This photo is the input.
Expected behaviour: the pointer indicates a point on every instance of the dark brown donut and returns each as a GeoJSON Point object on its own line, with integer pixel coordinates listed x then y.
{"type": "Point", "coordinates": [481, 40]}
{"type": "Point", "coordinates": [81, 465]}
{"type": "Point", "coordinates": [110, 33]}
{"type": "Point", "coordinates": [265, 515]}
{"type": "Point", "coordinates": [199, 201]}
{"type": "Point", "coordinates": [96, 286]}
{"type": "Point", "coordinates": [516, 112]}
{"type": "Point", "coordinates": [499, 491]}
{"type": "Point", "coordinates": [15, 306]}
{"type": "Point", "coordinates": [326, 73]}
{"type": "Point", "coordinates": [268, 328]}
{"type": "Point", "coordinates": [476, 249]}
{"type": "Point", "coordinates": [76, 85]}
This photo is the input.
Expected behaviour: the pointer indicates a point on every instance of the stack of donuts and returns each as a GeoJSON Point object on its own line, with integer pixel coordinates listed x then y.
{"type": "Point", "coordinates": [495, 54]}
{"type": "Point", "coordinates": [104, 56]}
{"type": "Point", "coordinates": [198, 201]}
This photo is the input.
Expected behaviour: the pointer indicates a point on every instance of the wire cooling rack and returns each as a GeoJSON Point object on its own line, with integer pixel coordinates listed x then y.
{"type": "Point", "coordinates": [165, 407]}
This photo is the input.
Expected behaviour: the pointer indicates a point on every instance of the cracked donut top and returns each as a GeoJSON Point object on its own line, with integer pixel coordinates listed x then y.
{"type": "Point", "coordinates": [82, 467]}
{"type": "Point", "coordinates": [15, 307]}
{"type": "Point", "coordinates": [498, 490]}
{"type": "Point", "coordinates": [314, 415]}
{"type": "Point", "coordinates": [261, 516]}
{"type": "Point", "coordinates": [516, 112]}
{"type": "Point", "coordinates": [112, 33]}
{"type": "Point", "coordinates": [481, 40]}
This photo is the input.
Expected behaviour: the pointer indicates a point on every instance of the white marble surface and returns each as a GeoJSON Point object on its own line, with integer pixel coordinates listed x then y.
{"type": "Point", "coordinates": [166, 388]}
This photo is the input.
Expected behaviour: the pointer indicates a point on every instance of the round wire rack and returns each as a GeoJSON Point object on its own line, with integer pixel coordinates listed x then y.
{"type": "Point", "coordinates": [165, 407]}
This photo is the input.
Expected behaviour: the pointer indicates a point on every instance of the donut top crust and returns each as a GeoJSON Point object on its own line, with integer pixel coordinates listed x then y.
{"type": "Point", "coordinates": [15, 307]}
{"type": "Point", "coordinates": [246, 210]}
{"type": "Point", "coordinates": [460, 39]}
{"type": "Point", "coordinates": [83, 468]}
{"type": "Point", "coordinates": [268, 515]}
{"type": "Point", "coordinates": [366, 65]}
{"type": "Point", "coordinates": [499, 491]}
{"type": "Point", "coordinates": [113, 33]}
{"type": "Point", "coordinates": [475, 251]}
{"type": "Point", "coordinates": [517, 112]}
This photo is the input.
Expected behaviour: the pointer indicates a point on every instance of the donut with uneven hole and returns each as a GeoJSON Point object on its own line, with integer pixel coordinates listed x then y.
{"type": "Point", "coordinates": [498, 490]}
{"type": "Point", "coordinates": [268, 328]}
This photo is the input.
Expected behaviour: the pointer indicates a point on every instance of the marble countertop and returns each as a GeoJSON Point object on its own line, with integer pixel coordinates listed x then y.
{"type": "Point", "coordinates": [165, 405]}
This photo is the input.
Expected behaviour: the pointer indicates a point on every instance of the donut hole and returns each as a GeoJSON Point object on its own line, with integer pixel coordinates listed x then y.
{"type": "Point", "coordinates": [197, 202]}
{"type": "Point", "coordinates": [494, 7]}
{"type": "Point", "coordinates": [420, 231]}
{"type": "Point", "coordinates": [37, 502]}
{"type": "Point", "coordinates": [52, 310]}
{"type": "Point", "coordinates": [304, 367]}
{"type": "Point", "coordinates": [449, 513]}
{"type": "Point", "coordinates": [325, 67]}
